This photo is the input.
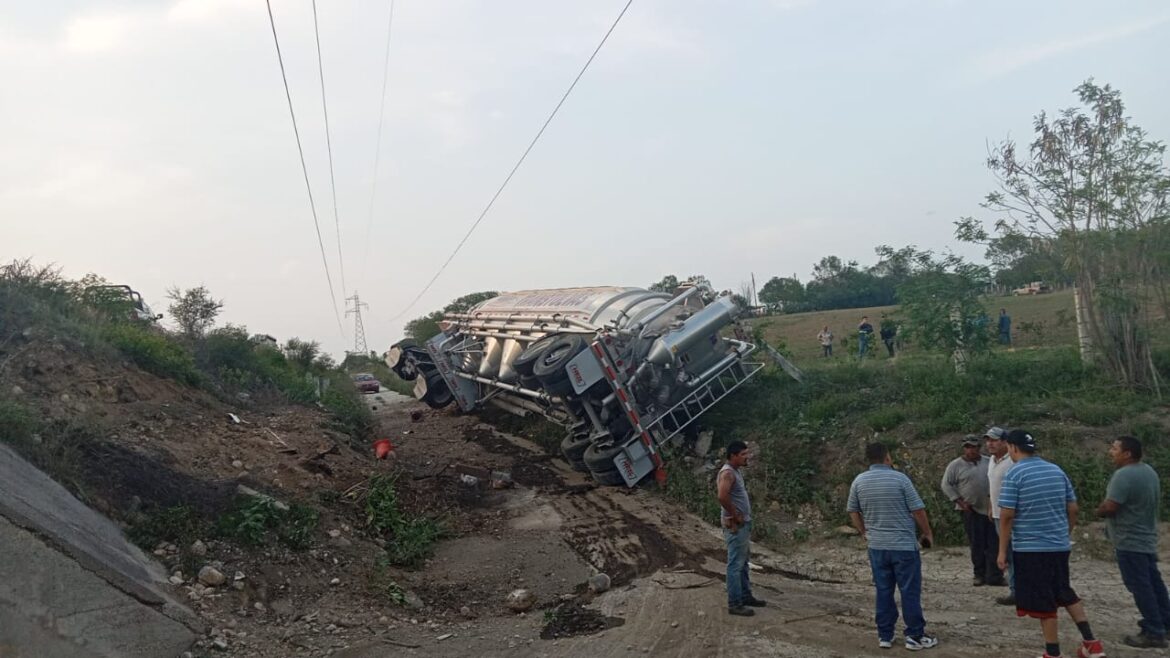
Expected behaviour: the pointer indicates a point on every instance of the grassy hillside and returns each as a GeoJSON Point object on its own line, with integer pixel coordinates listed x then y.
{"type": "Point", "coordinates": [1037, 321]}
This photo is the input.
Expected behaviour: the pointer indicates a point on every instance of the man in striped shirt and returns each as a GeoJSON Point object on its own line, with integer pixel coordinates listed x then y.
{"type": "Point", "coordinates": [1038, 511]}
{"type": "Point", "coordinates": [884, 507]}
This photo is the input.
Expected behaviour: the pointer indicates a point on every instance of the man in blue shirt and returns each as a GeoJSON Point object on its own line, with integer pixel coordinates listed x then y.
{"type": "Point", "coordinates": [1038, 511]}
{"type": "Point", "coordinates": [884, 507]}
{"type": "Point", "coordinates": [1005, 327]}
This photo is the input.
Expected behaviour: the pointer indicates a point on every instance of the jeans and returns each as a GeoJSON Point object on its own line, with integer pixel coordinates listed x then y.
{"type": "Point", "coordinates": [739, 549]}
{"type": "Point", "coordinates": [1139, 572]}
{"type": "Point", "coordinates": [827, 350]}
{"type": "Point", "coordinates": [984, 544]}
{"type": "Point", "coordinates": [863, 345]}
{"type": "Point", "coordinates": [902, 569]}
{"type": "Point", "coordinates": [889, 345]}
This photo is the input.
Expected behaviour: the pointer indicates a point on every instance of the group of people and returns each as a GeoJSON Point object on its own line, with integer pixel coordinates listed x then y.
{"type": "Point", "coordinates": [888, 334]}
{"type": "Point", "coordinates": [1019, 511]}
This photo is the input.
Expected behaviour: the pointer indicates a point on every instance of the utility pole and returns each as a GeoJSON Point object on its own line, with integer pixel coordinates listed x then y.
{"type": "Point", "coordinates": [359, 331]}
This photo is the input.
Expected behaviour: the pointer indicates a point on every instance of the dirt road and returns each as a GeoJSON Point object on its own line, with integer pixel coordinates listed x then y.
{"type": "Point", "coordinates": [667, 567]}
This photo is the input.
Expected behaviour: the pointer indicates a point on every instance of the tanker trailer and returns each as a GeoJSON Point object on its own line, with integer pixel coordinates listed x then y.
{"type": "Point", "coordinates": [625, 370]}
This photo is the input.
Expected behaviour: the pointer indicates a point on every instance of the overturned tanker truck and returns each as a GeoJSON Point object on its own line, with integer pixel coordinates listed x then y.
{"type": "Point", "coordinates": [627, 371]}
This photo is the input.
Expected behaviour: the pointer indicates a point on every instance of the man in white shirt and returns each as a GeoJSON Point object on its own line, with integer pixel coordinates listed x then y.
{"type": "Point", "coordinates": [998, 467]}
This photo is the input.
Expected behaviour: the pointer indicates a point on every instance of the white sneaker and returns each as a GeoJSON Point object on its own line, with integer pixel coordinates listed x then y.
{"type": "Point", "coordinates": [885, 644]}
{"type": "Point", "coordinates": [921, 642]}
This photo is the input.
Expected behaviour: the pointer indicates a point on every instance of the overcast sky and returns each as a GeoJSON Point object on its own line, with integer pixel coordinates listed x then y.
{"type": "Point", "coordinates": [150, 142]}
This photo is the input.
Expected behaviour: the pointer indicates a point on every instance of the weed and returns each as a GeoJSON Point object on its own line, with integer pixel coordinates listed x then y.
{"type": "Point", "coordinates": [410, 540]}
{"type": "Point", "coordinates": [350, 413]}
{"type": "Point", "coordinates": [17, 425]}
{"type": "Point", "coordinates": [180, 525]}
{"type": "Point", "coordinates": [154, 352]}
{"type": "Point", "coordinates": [801, 534]}
{"type": "Point", "coordinates": [384, 585]}
{"type": "Point", "coordinates": [884, 420]}
{"type": "Point", "coordinates": [254, 519]}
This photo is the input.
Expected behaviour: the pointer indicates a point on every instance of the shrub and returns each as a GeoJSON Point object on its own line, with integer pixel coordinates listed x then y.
{"type": "Point", "coordinates": [17, 424]}
{"type": "Point", "coordinates": [350, 413]}
{"type": "Point", "coordinates": [884, 420]}
{"type": "Point", "coordinates": [154, 352]}
{"type": "Point", "coordinates": [410, 540]}
{"type": "Point", "coordinates": [254, 519]}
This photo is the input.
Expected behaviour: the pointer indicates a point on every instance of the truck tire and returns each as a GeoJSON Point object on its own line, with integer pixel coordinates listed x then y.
{"type": "Point", "coordinates": [523, 364]}
{"type": "Point", "coordinates": [573, 447]}
{"type": "Point", "coordinates": [550, 367]}
{"type": "Point", "coordinates": [599, 456]}
{"type": "Point", "coordinates": [610, 478]}
{"type": "Point", "coordinates": [433, 391]}
{"type": "Point", "coordinates": [397, 362]}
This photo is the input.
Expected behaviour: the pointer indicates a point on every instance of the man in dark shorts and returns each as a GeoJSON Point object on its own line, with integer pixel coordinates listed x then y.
{"type": "Point", "coordinates": [1038, 511]}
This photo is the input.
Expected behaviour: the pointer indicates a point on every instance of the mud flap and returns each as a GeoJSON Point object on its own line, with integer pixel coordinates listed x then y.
{"type": "Point", "coordinates": [634, 462]}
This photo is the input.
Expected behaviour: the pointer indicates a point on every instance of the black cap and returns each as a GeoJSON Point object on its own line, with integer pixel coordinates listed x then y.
{"type": "Point", "coordinates": [971, 440]}
{"type": "Point", "coordinates": [1022, 439]}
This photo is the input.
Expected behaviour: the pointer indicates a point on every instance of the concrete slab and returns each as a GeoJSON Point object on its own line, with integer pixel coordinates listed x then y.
{"type": "Point", "coordinates": [70, 582]}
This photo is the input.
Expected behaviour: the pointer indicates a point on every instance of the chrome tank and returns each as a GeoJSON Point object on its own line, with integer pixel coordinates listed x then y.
{"type": "Point", "coordinates": [506, 324]}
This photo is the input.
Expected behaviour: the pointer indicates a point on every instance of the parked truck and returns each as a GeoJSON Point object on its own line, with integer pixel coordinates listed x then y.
{"type": "Point", "coordinates": [626, 371]}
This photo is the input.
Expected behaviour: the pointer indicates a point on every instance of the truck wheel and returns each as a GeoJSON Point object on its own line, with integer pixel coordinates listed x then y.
{"type": "Point", "coordinates": [573, 447]}
{"type": "Point", "coordinates": [550, 367]}
{"type": "Point", "coordinates": [599, 456]}
{"type": "Point", "coordinates": [397, 362]}
{"type": "Point", "coordinates": [523, 364]}
{"type": "Point", "coordinates": [609, 478]}
{"type": "Point", "coordinates": [433, 391]}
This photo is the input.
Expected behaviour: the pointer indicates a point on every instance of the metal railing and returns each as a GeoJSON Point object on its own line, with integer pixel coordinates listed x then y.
{"type": "Point", "coordinates": [702, 398]}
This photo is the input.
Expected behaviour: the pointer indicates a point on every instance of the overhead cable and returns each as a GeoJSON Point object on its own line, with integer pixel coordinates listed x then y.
{"type": "Point", "coordinates": [329, 149]}
{"type": "Point", "coordinates": [378, 141]}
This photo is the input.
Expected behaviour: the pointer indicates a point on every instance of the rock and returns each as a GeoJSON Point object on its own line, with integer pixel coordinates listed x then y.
{"type": "Point", "coordinates": [282, 607]}
{"type": "Point", "coordinates": [176, 580]}
{"type": "Point", "coordinates": [847, 530]}
{"type": "Point", "coordinates": [520, 600]}
{"type": "Point", "coordinates": [340, 542]}
{"type": "Point", "coordinates": [412, 601]}
{"type": "Point", "coordinates": [237, 464]}
{"type": "Point", "coordinates": [219, 643]}
{"type": "Point", "coordinates": [703, 443]}
{"type": "Point", "coordinates": [598, 583]}
{"type": "Point", "coordinates": [334, 533]}
{"type": "Point", "coordinates": [17, 391]}
{"type": "Point", "coordinates": [465, 611]}
{"type": "Point", "coordinates": [211, 576]}
{"type": "Point", "coordinates": [444, 636]}
{"type": "Point", "coordinates": [702, 614]}
{"type": "Point", "coordinates": [774, 506]}
{"type": "Point", "coordinates": [674, 624]}
{"type": "Point", "coordinates": [335, 582]}
{"type": "Point", "coordinates": [238, 585]}
{"type": "Point", "coordinates": [199, 548]}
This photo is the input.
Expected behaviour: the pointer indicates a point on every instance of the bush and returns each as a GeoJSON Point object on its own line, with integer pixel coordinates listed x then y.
{"type": "Point", "coordinates": [17, 424]}
{"type": "Point", "coordinates": [255, 519]}
{"type": "Point", "coordinates": [350, 413]}
{"type": "Point", "coordinates": [154, 352]}
{"type": "Point", "coordinates": [884, 420]}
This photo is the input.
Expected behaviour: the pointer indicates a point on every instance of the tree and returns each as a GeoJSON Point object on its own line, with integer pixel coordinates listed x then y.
{"type": "Point", "coordinates": [1094, 188]}
{"type": "Point", "coordinates": [668, 284]}
{"type": "Point", "coordinates": [193, 310]}
{"type": "Point", "coordinates": [942, 306]}
{"type": "Point", "coordinates": [302, 352]}
{"type": "Point", "coordinates": [464, 303]}
{"type": "Point", "coordinates": [424, 328]}
{"type": "Point", "coordinates": [784, 292]}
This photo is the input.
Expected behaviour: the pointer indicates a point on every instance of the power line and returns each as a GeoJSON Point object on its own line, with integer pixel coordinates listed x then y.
{"type": "Point", "coordinates": [304, 168]}
{"type": "Point", "coordinates": [329, 147]}
{"type": "Point", "coordinates": [378, 141]}
{"type": "Point", "coordinates": [518, 163]}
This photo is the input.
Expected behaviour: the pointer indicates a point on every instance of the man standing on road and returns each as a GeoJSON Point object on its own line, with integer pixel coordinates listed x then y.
{"type": "Point", "coordinates": [864, 334]}
{"type": "Point", "coordinates": [999, 463]}
{"type": "Point", "coordinates": [884, 507]}
{"type": "Point", "coordinates": [965, 483]}
{"type": "Point", "coordinates": [736, 517]}
{"type": "Point", "coordinates": [1131, 519]}
{"type": "Point", "coordinates": [1038, 511]}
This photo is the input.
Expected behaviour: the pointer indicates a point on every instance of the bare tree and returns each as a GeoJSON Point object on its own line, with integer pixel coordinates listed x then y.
{"type": "Point", "coordinates": [1094, 187]}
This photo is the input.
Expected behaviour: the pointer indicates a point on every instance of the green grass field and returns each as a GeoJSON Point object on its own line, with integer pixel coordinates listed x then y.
{"type": "Point", "coordinates": [1037, 321]}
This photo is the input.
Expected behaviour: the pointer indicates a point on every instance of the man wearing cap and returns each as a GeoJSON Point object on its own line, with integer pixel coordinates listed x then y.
{"type": "Point", "coordinates": [999, 462]}
{"type": "Point", "coordinates": [965, 483]}
{"type": "Point", "coordinates": [1130, 510]}
{"type": "Point", "coordinates": [1038, 511]}
{"type": "Point", "coordinates": [885, 508]}
{"type": "Point", "coordinates": [736, 518]}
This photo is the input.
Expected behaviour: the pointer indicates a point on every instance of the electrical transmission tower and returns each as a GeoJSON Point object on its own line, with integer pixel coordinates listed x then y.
{"type": "Point", "coordinates": [359, 331]}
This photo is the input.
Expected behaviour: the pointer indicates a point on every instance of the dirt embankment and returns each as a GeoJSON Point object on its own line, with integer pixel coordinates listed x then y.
{"type": "Point", "coordinates": [160, 443]}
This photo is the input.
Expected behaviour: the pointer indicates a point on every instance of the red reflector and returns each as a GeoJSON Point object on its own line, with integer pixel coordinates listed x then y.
{"type": "Point", "coordinates": [621, 392]}
{"type": "Point", "coordinates": [634, 416]}
{"type": "Point", "coordinates": [610, 373]}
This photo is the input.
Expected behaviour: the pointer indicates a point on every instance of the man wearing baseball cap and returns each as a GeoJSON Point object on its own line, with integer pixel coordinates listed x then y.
{"type": "Point", "coordinates": [966, 484]}
{"type": "Point", "coordinates": [1038, 511]}
{"type": "Point", "coordinates": [999, 463]}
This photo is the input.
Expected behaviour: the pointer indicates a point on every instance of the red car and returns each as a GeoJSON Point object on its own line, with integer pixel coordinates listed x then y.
{"type": "Point", "coordinates": [367, 383]}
